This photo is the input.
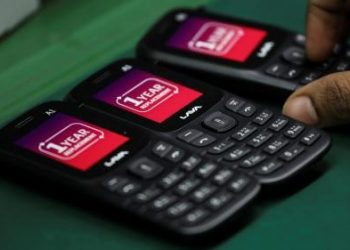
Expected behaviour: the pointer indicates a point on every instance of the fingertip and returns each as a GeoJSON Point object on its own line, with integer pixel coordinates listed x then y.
{"type": "Point", "coordinates": [322, 33]}
{"type": "Point", "coordinates": [315, 53]}
{"type": "Point", "coordinates": [302, 109]}
{"type": "Point", "coordinates": [318, 50]}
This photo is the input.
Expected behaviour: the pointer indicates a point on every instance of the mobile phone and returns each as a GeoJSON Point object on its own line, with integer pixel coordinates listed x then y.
{"type": "Point", "coordinates": [138, 172]}
{"type": "Point", "coordinates": [222, 49]}
{"type": "Point", "coordinates": [210, 121]}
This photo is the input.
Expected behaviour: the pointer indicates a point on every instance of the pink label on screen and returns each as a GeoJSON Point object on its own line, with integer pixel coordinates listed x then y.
{"type": "Point", "coordinates": [71, 141]}
{"type": "Point", "coordinates": [216, 38]}
{"type": "Point", "coordinates": [228, 41]}
{"type": "Point", "coordinates": [148, 96]}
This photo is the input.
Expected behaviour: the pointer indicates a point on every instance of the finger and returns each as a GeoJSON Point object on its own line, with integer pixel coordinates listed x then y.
{"type": "Point", "coordinates": [325, 25]}
{"type": "Point", "coordinates": [325, 102]}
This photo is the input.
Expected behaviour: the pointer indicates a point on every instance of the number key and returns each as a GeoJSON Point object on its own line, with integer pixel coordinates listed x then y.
{"type": "Point", "coordinates": [163, 201]}
{"type": "Point", "coordinates": [276, 145]}
{"type": "Point", "coordinates": [191, 162]}
{"type": "Point", "coordinates": [238, 184]}
{"type": "Point", "coordinates": [147, 195]}
{"type": "Point", "coordinates": [263, 117]}
{"type": "Point", "coordinates": [310, 137]}
{"type": "Point", "coordinates": [171, 178]}
{"type": "Point", "coordinates": [294, 130]}
{"type": "Point", "coordinates": [196, 216]}
{"type": "Point", "coordinates": [219, 200]}
{"type": "Point", "coordinates": [221, 147]}
{"type": "Point", "coordinates": [203, 193]}
{"type": "Point", "coordinates": [260, 139]}
{"type": "Point", "coordinates": [292, 152]}
{"type": "Point", "coordinates": [253, 160]}
{"type": "Point", "coordinates": [236, 153]}
{"type": "Point", "coordinates": [222, 176]}
{"type": "Point", "coordinates": [179, 209]}
{"type": "Point", "coordinates": [206, 169]}
{"type": "Point", "coordinates": [187, 186]}
{"type": "Point", "coordinates": [244, 132]}
{"type": "Point", "coordinates": [278, 124]}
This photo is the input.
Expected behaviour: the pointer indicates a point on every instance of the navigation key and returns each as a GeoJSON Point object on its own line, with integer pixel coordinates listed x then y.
{"type": "Point", "coordinates": [145, 168]}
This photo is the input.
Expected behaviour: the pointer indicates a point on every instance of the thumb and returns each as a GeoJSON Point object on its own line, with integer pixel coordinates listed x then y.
{"type": "Point", "coordinates": [324, 102]}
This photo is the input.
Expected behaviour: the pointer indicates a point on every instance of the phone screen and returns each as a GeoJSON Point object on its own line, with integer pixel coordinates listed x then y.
{"type": "Point", "coordinates": [147, 95]}
{"type": "Point", "coordinates": [71, 141]}
{"type": "Point", "coordinates": [206, 36]}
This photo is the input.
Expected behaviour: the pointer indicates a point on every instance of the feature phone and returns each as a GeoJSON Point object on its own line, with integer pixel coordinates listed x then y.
{"type": "Point", "coordinates": [234, 53]}
{"type": "Point", "coordinates": [140, 173]}
{"type": "Point", "coordinates": [214, 123]}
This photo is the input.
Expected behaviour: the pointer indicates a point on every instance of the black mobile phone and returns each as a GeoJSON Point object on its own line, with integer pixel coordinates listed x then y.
{"type": "Point", "coordinates": [136, 171]}
{"type": "Point", "coordinates": [205, 119]}
{"type": "Point", "coordinates": [222, 48]}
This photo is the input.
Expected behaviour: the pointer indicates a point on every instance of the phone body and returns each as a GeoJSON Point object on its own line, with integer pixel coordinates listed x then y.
{"type": "Point", "coordinates": [124, 167]}
{"type": "Point", "coordinates": [224, 49]}
{"type": "Point", "coordinates": [213, 122]}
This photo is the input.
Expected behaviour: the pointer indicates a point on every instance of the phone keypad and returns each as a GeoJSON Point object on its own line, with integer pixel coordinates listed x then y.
{"type": "Point", "coordinates": [263, 144]}
{"type": "Point", "coordinates": [294, 66]}
{"type": "Point", "coordinates": [190, 191]}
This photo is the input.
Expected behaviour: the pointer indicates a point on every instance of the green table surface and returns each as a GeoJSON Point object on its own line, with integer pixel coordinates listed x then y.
{"type": "Point", "coordinates": [66, 41]}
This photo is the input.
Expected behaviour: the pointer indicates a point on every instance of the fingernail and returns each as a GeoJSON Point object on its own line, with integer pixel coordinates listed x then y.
{"type": "Point", "coordinates": [302, 109]}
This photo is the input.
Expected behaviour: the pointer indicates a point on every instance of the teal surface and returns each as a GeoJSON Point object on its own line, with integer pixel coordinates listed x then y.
{"type": "Point", "coordinates": [66, 41]}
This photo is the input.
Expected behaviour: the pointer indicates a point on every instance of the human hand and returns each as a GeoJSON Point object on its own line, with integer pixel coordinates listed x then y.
{"type": "Point", "coordinates": [326, 101]}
